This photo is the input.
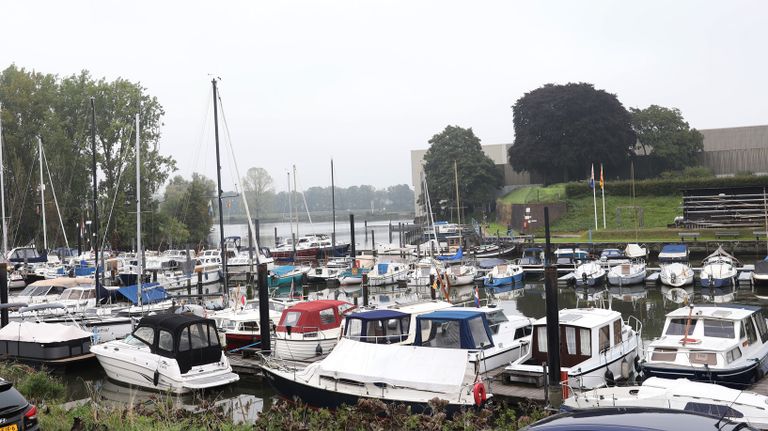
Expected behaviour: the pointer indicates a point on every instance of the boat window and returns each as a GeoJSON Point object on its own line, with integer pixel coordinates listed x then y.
{"type": "Point", "coordinates": [705, 358]}
{"type": "Point", "coordinates": [327, 316]}
{"type": "Point", "coordinates": [605, 338]}
{"type": "Point", "coordinates": [249, 326]}
{"type": "Point", "coordinates": [276, 306]}
{"type": "Point", "coordinates": [165, 341]}
{"type": "Point", "coordinates": [56, 290]}
{"type": "Point", "coordinates": [570, 339]}
{"type": "Point", "coordinates": [541, 338]}
{"type": "Point", "coordinates": [292, 318]}
{"type": "Point", "coordinates": [733, 354]}
{"type": "Point", "coordinates": [354, 328]}
{"type": "Point", "coordinates": [145, 334]}
{"type": "Point", "coordinates": [664, 354]}
{"type": "Point", "coordinates": [718, 328]}
{"type": "Point", "coordinates": [199, 336]}
{"type": "Point", "coordinates": [523, 332]}
{"type": "Point", "coordinates": [90, 294]}
{"type": "Point", "coordinates": [585, 336]}
{"type": "Point", "coordinates": [344, 307]}
{"type": "Point", "coordinates": [496, 318]}
{"type": "Point", "coordinates": [184, 340]}
{"type": "Point", "coordinates": [716, 410]}
{"type": "Point", "coordinates": [617, 332]}
{"type": "Point", "coordinates": [749, 327]}
{"type": "Point", "coordinates": [444, 334]}
{"type": "Point", "coordinates": [762, 328]}
{"type": "Point", "coordinates": [213, 337]}
{"type": "Point", "coordinates": [426, 328]}
{"type": "Point", "coordinates": [227, 324]}
{"type": "Point", "coordinates": [479, 334]}
{"type": "Point", "coordinates": [677, 326]}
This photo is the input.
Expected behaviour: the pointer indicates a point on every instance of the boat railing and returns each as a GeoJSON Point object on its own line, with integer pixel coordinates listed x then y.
{"type": "Point", "coordinates": [379, 339]}
{"type": "Point", "coordinates": [634, 323]}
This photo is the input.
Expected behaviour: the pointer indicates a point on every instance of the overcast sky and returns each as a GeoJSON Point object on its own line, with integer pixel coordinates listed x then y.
{"type": "Point", "coordinates": [365, 82]}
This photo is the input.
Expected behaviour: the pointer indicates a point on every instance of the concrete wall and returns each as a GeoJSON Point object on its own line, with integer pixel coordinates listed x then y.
{"type": "Point", "coordinates": [514, 214]}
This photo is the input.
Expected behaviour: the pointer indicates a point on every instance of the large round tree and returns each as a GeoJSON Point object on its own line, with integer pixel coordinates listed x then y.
{"type": "Point", "coordinates": [560, 130]}
{"type": "Point", "coordinates": [479, 178]}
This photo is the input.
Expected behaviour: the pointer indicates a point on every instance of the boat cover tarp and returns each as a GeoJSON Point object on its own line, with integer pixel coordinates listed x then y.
{"type": "Point", "coordinates": [34, 332]}
{"type": "Point", "coordinates": [377, 315]}
{"type": "Point", "coordinates": [282, 269]}
{"type": "Point", "coordinates": [150, 293]}
{"type": "Point", "coordinates": [465, 331]}
{"type": "Point", "coordinates": [490, 263]}
{"type": "Point", "coordinates": [674, 248]}
{"type": "Point", "coordinates": [421, 368]}
{"type": "Point", "coordinates": [457, 256]}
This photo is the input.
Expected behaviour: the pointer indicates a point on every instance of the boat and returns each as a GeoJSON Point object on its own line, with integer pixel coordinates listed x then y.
{"type": "Point", "coordinates": [532, 258]}
{"type": "Point", "coordinates": [504, 274]}
{"type": "Point", "coordinates": [574, 254]}
{"type": "Point", "coordinates": [309, 329]}
{"type": "Point", "coordinates": [718, 269]}
{"type": "Point", "coordinates": [470, 329]}
{"type": "Point", "coordinates": [676, 274]}
{"type": "Point", "coordinates": [589, 274]}
{"type": "Point", "coordinates": [460, 275]}
{"type": "Point", "coordinates": [45, 343]}
{"type": "Point", "coordinates": [43, 291]}
{"type": "Point", "coordinates": [678, 394]}
{"type": "Point", "coordinates": [673, 253]}
{"type": "Point", "coordinates": [387, 273]}
{"type": "Point", "coordinates": [241, 326]}
{"type": "Point", "coordinates": [596, 347]}
{"type": "Point", "coordinates": [725, 344]}
{"type": "Point", "coordinates": [760, 274]}
{"type": "Point", "coordinates": [424, 273]}
{"type": "Point", "coordinates": [627, 273]}
{"type": "Point", "coordinates": [393, 324]}
{"type": "Point", "coordinates": [168, 352]}
{"type": "Point", "coordinates": [611, 254]}
{"type": "Point", "coordinates": [635, 251]}
{"type": "Point", "coordinates": [396, 374]}
{"type": "Point", "coordinates": [330, 271]}
{"type": "Point", "coordinates": [286, 275]}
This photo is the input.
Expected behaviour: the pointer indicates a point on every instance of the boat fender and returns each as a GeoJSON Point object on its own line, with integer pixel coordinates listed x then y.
{"type": "Point", "coordinates": [609, 379]}
{"type": "Point", "coordinates": [625, 369]}
{"type": "Point", "coordinates": [637, 364]}
{"type": "Point", "coordinates": [479, 392]}
{"type": "Point", "coordinates": [319, 350]}
{"type": "Point", "coordinates": [584, 277]}
{"type": "Point", "coordinates": [156, 377]}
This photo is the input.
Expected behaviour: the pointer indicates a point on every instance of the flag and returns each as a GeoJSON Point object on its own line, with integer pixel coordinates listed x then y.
{"type": "Point", "coordinates": [242, 300]}
{"type": "Point", "coordinates": [592, 178]}
{"type": "Point", "coordinates": [477, 297]}
{"type": "Point", "coordinates": [602, 180]}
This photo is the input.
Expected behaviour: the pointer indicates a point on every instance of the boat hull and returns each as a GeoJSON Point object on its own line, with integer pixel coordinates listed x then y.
{"type": "Point", "coordinates": [625, 280]}
{"type": "Point", "coordinates": [501, 281]}
{"type": "Point", "coordinates": [716, 282]}
{"type": "Point", "coordinates": [591, 281]}
{"type": "Point", "coordinates": [302, 350]}
{"type": "Point", "coordinates": [738, 378]}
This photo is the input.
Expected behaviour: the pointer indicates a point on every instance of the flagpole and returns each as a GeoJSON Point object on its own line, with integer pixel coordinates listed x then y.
{"type": "Point", "coordinates": [602, 191]}
{"type": "Point", "coordinates": [594, 194]}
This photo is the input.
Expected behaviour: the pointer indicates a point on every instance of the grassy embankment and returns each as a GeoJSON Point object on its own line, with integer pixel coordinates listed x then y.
{"type": "Point", "coordinates": [160, 413]}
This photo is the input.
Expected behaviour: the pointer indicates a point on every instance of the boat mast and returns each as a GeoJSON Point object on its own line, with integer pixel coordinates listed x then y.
{"type": "Point", "coordinates": [458, 203]}
{"type": "Point", "coordinates": [765, 215]}
{"type": "Point", "coordinates": [95, 223]}
{"type": "Point", "coordinates": [295, 205]}
{"type": "Point", "coordinates": [139, 271]}
{"type": "Point", "coordinates": [333, 211]}
{"type": "Point", "coordinates": [218, 179]}
{"type": "Point", "coordinates": [2, 186]}
{"type": "Point", "coordinates": [428, 205]}
{"type": "Point", "coordinates": [42, 193]}
{"type": "Point", "coordinates": [290, 211]}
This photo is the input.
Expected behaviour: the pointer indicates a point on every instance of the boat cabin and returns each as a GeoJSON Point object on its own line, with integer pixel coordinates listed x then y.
{"type": "Point", "coordinates": [673, 253]}
{"type": "Point", "coordinates": [378, 326]}
{"type": "Point", "coordinates": [190, 340]}
{"type": "Point", "coordinates": [26, 255]}
{"type": "Point", "coordinates": [532, 256]}
{"type": "Point", "coordinates": [454, 329]}
{"type": "Point", "coordinates": [611, 254]}
{"type": "Point", "coordinates": [313, 316]}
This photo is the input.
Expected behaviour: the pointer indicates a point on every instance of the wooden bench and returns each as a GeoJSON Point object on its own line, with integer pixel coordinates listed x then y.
{"type": "Point", "coordinates": [684, 235]}
{"type": "Point", "coordinates": [758, 234]}
{"type": "Point", "coordinates": [726, 233]}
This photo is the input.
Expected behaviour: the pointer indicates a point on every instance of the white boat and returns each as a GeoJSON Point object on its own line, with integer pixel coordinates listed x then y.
{"type": "Point", "coordinates": [390, 324]}
{"type": "Point", "coordinates": [635, 251]}
{"type": "Point", "coordinates": [241, 325]}
{"type": "Point", "coordinates": [677, 274]}
{"type": "Point", "coordinates": [719, 269]}
{"type": "Point", "coordinates": [596, 347]}
{"type": "Point", "coordinates": [504, 274]}
{"type": "Point", "coordinates": [42, 342]}
{"type": "Point", "coordinates": [726, 344]}
{"type": "Point", "coordinates": [490, 337]}
{"type": "Point", "coordinates": [424, 271]}
{"type": "Point", "coordinates": [627, 273]}
{"type": "Point", "coordinates": [387, 273]}
{"type": "Point", "coordinates": [460, 275]}
{"type": "Point", "coordinates": [590, 273]}
{"type": "Point", "coordinates": [168, 352]}
{"type": "Point", "coordinates": [43, 291]}
{"type": "Point", "coordinates": [407, 375]}
{"type": "Point", "coordinates": [679, 394]}
{"type": "Point", "coordinates": [673, 253]}
{"type": "Point", "coordinates": [309, 329]}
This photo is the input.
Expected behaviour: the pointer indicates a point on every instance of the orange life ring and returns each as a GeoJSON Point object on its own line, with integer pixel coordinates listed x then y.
{"type": "Point", "coordinates": [689, 340]}
{"type": "Point", "coordinates": [479, 392]}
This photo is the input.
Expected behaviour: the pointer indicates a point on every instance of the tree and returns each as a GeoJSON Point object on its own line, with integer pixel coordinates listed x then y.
{"type": "Point", "coordinates": [257, 185]}
{"type": "Point", "coordinates": [188, 203]}
{"type": "Point", "coordinates": [561, 129]}
{"type": "Point", "coordinates": [479, 178]}
{"type": "Point", "coordinates": [666, 136]}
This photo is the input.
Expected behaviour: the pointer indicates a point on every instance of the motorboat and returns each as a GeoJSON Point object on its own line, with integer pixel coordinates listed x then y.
{"type": "Point", "coordinates": [635, 419]}
{"type": "Point", "coordinates": [387, 273]}
{"type": "Point", "coordinates": [678, 394]}
{"type": "Point", "coordinates": [589, 274]}
{"type": "Point", "coordinates": [635, 251]}
{"type": "Point", "coordinates": [241, 326]}
{"type": "Point", "coordinates": [596, 347]}
{"type": "Point", "coordinates": [460, 275]}
{"type": "Point", "coordinates": [719, 269]}
{"type": "Point", "coordinates": [424, 273]}
{"type": "Point", "coordinates": [532, 258]}
{"type": "Point", "coordinates": [676, 274]}
{"type": "Point", "coordinates": [286, 275]}
{"type": "Point", "coordinates": [627, 273]}
{"type": "Point", "coordinates": [244, 262]}
{"type": "Point", "coordinates": [725, 344]}
{"type": "Point", "coordinates": [504, 274]}
{"type": "Point", "coordinates": [470, 329]}
{"type": "Point", "coordinates": [393, 324]}
{"type": "Point", "coordinates": [45, 343]}
{"type": "Point", "coordinates": [309, 329]}
{"type": "Point", "coordinates": [43, 291]}
{"type": "Point", "coordinates": [354, 275]}
{"type": "Point", "coordinates": [395, 374]}
{"type": "Point", "coordinates": [328, 272]}
{"type": "Point", "coordinates": [611, 254]}
{"type": "Point", "coordinates": [673, 253]}
{"type": "Point", "coordinates": [575, 254]}
{"type": "Point", "coordinates": [168, 352]}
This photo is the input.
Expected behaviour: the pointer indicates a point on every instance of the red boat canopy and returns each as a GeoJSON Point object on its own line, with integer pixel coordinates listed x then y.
{"type": "Point", "coordinates": [314, 316]}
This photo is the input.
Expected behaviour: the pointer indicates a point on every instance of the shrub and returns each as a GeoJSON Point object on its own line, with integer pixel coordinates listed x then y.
{"type": "Point", "coordinates": [664, 187]}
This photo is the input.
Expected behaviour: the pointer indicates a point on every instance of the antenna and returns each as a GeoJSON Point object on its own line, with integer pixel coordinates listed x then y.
{"type": "Point", "coordinates": [727, 409]}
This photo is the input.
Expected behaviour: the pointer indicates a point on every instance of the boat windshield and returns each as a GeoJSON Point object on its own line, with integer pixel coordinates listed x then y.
{"type": "Point", "coordinates": [495, 319]}
{"type": "Point", "coordinates": [677, 326]}
{"type": "Point", "coordinates": [73, 294]}
{"type": "Point", "coordinates": [718, 328]}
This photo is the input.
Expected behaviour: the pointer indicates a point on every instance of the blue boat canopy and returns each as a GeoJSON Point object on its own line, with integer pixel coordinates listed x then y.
{"type": "Point", "coordinates": [457, 256]}
{"type": "Point", "coordinates": [377, 315]}
{"type": "Point", "coordinates": [150, 293]}
{"type": "Point", "coordinates": [378, 326]}
{"type": "Point", "coordinates": [382, 268]}
{"type": "Point", "coordinates": [453, 329]}
{"type": "Point", "coordinates": [674, 248]}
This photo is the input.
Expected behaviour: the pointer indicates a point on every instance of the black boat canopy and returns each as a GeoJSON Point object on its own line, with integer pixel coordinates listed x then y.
{"type": "Point", "coordinates": [191, 340]}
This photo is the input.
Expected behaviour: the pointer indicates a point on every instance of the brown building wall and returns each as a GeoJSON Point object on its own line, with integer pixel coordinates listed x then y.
{"type": "Point", "coordinates": [514, 214]}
